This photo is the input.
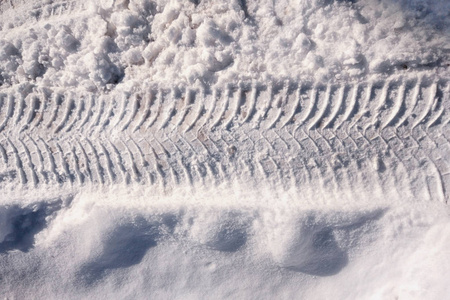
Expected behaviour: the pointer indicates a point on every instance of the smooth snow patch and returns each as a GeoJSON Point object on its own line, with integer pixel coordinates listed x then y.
{"type": "Point", "coordinates": [228, 244]}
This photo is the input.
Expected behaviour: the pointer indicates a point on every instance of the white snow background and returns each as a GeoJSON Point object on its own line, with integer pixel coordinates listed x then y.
{"type": "Point", "coordinates": [230, 240]}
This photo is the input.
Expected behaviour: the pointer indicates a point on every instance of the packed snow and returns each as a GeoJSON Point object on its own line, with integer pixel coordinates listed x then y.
{"type": "Point", "coordinates": [224, 236]}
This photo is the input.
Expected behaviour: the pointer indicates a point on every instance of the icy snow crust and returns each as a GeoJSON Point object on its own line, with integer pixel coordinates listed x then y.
{"type": "Point", "coordinates": [224, 150]}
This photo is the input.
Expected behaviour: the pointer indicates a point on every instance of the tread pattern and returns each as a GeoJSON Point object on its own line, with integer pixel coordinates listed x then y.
{"type": "Point", "coordinates": [289, 134]}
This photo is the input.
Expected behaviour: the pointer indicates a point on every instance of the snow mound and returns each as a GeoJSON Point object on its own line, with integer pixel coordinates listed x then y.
{"type": "Point", "coordinates": [144, 244]}
{"type": "Point", "coordinates": [99, 44]}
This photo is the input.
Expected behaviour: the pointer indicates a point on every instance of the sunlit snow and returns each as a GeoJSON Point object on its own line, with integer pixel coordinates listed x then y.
{"type": "Point", "coordinates": [224, 149]}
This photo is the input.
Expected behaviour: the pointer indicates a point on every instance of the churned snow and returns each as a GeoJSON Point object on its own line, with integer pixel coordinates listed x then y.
{"type": "Point", "coordinates": [213, 42]}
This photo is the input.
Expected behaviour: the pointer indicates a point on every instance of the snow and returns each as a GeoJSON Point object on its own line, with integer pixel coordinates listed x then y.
{"type": "Point", "coordinates": [212, 43]}
{"type": "Point", "coordinates": [137, 243]}
{"type": "Point", "coordinates": [240, 228]}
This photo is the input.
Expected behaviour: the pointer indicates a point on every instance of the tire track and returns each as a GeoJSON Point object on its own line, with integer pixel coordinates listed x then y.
{"type": "Point", "coordinates": [425, 110]}
{"type": "Point", "coordinates": [76, 163]}
{"type": "Point", "coordinates": [387, 135]}
{"type": "Point", "coordinates": [29, 164]}
{"type": "Point", "coordinates": [79, 108]}
{"type": "Point", "coordinates": [68, 111]}
{"type": "Point", "coordinates": [8, 106]}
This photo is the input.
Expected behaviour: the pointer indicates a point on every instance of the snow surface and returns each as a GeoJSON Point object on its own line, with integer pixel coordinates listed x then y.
{"type": "Point", "coordinates": [137, 243]}
{"type": "Point", "coordinates": [215, 42]}
{"type": "Point", "coordinates": [230, 239]}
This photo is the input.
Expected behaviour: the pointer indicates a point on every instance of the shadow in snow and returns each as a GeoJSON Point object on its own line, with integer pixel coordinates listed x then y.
{"type": "Point", "coordinates": [228, 239]}
{"type": "Point", "coordinates": [325, 258]}
{"type": "Point", "coordinates": [316, 250]}
{"type": "Point", "coordinates": [126, 246]}
{"type": "Point", "coordinates": [23, 223]}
